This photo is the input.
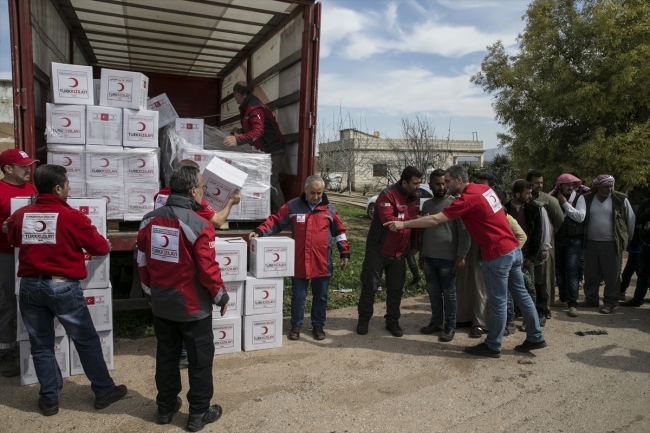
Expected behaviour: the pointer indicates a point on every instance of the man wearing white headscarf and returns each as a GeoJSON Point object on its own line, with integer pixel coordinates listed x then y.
{"type": "Point", "coordinates": [609, 224]}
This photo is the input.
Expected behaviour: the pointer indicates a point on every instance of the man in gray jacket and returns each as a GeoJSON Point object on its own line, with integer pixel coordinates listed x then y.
{"type": "Point", "coordinates": [442, 255]}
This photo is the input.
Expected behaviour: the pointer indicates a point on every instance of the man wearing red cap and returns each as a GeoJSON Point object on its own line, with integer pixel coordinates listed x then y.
{"type": "Point", "coordinates": [16, 167]}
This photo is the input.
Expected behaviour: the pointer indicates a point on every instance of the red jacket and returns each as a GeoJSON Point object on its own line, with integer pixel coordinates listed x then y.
{"type": "Point", "coordinates": [393, 204]}
{"type": "Point", "coordinates": [313, 231]}
{"type": "Point", "coordinates": [259, 125]}
{"type": "Point", "coordinates": [176, 262]}
{"type": "Point", "coordinates": [51, 237]}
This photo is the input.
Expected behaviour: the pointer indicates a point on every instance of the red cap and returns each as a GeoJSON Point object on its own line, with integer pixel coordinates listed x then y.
{"type": "Point", "coordinates": [15, 156]}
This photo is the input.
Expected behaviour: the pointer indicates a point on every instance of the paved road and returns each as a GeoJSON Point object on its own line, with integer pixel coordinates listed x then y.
{"type": "Point", "coordinates": [349, 200]}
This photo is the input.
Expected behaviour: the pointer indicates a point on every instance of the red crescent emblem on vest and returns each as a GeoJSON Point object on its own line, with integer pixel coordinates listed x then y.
{"type": "Point", "coordinates": [40, 226]}
{"type": "Point", "coordinates": [166, 241]}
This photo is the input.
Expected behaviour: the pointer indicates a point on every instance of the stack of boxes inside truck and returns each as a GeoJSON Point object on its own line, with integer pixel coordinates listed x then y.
{"type": "Point", "coordinates": [97, 291]}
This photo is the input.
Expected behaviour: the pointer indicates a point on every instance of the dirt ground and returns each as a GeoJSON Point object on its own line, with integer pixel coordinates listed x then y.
{"type": "Point", "coordinates": [378, 383]}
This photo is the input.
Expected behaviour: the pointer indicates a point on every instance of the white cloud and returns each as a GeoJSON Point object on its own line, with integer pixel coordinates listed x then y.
{"type": "Point", "coordinates": [404, 91]}
{"type": "Point", "coordinates": [337, 24]}
{"type": "Point", "coordinates": [5, 75]}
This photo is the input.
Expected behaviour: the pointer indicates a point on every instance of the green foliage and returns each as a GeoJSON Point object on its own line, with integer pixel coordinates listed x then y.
{"type": "Point", "coordinates": [576, 96]}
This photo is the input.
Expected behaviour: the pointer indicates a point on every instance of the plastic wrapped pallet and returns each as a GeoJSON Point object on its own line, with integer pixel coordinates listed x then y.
{"type": "Point", "coordinates": [104, 164]}
{"type": "Point", "coordinates": [141, 165]}
{"type": "Point", "coordinates": [191, 130]}
{"type": "Point", "coordinates": [104, 126]}
{"type": "Point", "coordinates": [112, 193]}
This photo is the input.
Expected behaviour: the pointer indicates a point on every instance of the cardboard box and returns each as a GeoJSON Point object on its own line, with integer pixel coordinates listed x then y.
{"type": "Point", "coordinates": [227, 335]}
{"type": "Point", "coordinates": [106, 341]}
{"type": "Point", "coordinates": [73, 158]}
{"type": "Point", "coordinates": [65, 124]}
{"type": "Point", "coordinates": [141, 165]}
{"type": "Point", "coordinates": [255, 204]}
{"type": "Point", "coordinates": [262, 332]}
{"type": "Point", "coordinates": [140, 128]}
{"type": "Point", "coordinates": [97, 87]}
{"type": "Point", "coordinates": [77, 189]}
{"type": "Point", "coordinates": [23, 335]}
{"type": "Point", "coordinates": [272, 257]}
{"type": "Point", "coordinates": [165, 109]}
{"type": "Point", "coordinates": [103, 126]}
{"type": "Point", "coordinates": [124, 89]}
{"type": "Point", "coordinates": [139, 200]}
{"type": "Point", "coordinates": [61, 354]}
{"type": "Point", "coordinates": [72, 84]}
{"type": "Point", "coordinates": [113, 195]}
{"type": "Point", "coordinates": [231, 256]}
{"type": "Point", "coordinates": [235, 291]}
{"type": "Point", "coordinates": [100, 306]}
{"type": "Point", "coordinates": [104, 164]}
{"type": "Point", "coordinates": [220, 180]}
{"type": "Point", "coordinates": [191, 130]}
{"type": "Point", "coordinates": [201, 157]}
{"type": "Point", "coordinates": [263, 295]}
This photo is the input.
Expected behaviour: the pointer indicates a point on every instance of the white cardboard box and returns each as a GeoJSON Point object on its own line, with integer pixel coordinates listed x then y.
{"type": "Point", "coordinates": [235, 308]}
{"type": "Point", "coordinates": [201, 157]}
{"type": "Point", "coordinates": [97, 87]}
{"type": "Point", "coordinates": [105, 340]}
{"type": "Point", "coordinates": [139, 200]}
{"type": "Point", "coordinates": [263, 295]}
{"type": "Point", "coordinates": [227, 335]}
{"type": "Point", "coordinates": [272, 257]}
{"type": "Point", "coordinates": [23, 335]}
{"type": "Point", "coordinates": [104, 164]}
{"type": "Point", "coordinates": [113, 195]}
{"type": "Point", "coordinates": [231, 256]}
{"type": "Point", "coordinates": [77, 189]}
{"type": "Point", "coordinates": [65, 124]}
{"type": "Point", "coordinates": [100, 306]}
{"type": "Point", "coordinates": [262, 332]}
{"type": "Point", "coordinates": [103, 126]}
{"type": "Point", "coordinates": [124, 89]}
{"type": "Point", "coordinates": [73, 158]}
{"type": "Point", "coordinates": [220, 180]}
{"type": "Point", "coordinates": [255, 204]}
{"type": "Point", "coordinates": [191, 130]}
{"type": "Point", "coordinates": [72, 84]}
{"type": "Point", "coordinates": [165, 109]}
{"type": "Point", "coordinates": [141, 165]}
{"type": "Point", "coordinates": [140, 128]}
{"type": "Point", "coordinates": [61, 354]}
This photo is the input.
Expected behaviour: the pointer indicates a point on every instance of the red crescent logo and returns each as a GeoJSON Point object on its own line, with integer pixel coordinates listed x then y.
{"type": "Point", "coordinates": [65, 125]}
{"type": "Point", "coordinates": [222, 335]}
{"type": "Point", "coordinates": [143, 163]}
{"type": "Point", "coordinates": [121, 87]}
{"type": "Point", "coordinates": [69, 161]}
{"type": "Point", "coordinates": [266, 330]}
{"type": "Point", "coordinates": [39, 226]}
{"type": "Point", "coordinates": [108, 199]}
{"type": "Point", "coordinates": [144, 199]}
{"type": "Point", "coordinates": [494, 199]}
{"type": "Point", "coordinates": [74, 80]}
{"type": "Point", "coordinates": [229, 260]}
{"type": "Point", "coordinates": [107, 162]}
{"type": "Point", "coordinates": [166, 241]}
{"type": "Point", "coordinates": [266, 294]}
{"type": "Point", "coordinates": [277, 257]}
{"type": "Point", "coordinates": [143, 126]}
{"type": "Point", "coordinates": [218, 191]}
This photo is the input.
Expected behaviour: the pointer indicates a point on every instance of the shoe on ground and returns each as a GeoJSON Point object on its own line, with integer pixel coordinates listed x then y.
{"type": "Point", "coordinates": [482, 350]}
{"type": "Point", "coordinates": [630, 303]}
{"type": "Point", "coordinates": [621, 296]}
{"type": "Point", "coordinates": [548, 315]}
{"type": "Point", "coordinates": [394, 329]}
{"type": "Point", "coordinates": [184, 364]}
{"type": "Point", "coordinates": [415, 281]}
{"type": "Point", "coordinates": [294, 334]}
{"type": "Point", "coordinates": [476, 332]}
{"type": "Point", "coordinates": [528, 345]}
{"type": "Point", "coordinates": [542, 320]}
{"type": "Point", "coordinates": [48, 409]}
{"type": "Point", "coordinates": [196, 421]}
{"type": "Point", "coordinates": [430, 329]}
{"type": "Point", "coordinates": [318, 332]}
{"type": "Point", "coordinates": [447, 335]}
{"type": "Point", "coordinates": [573, 312]}
{"type": "Point", "coordinates": [606, 310]}
{"type": "Point", "coordinates": [362, 326]}
{"type": "Point", "coordinates": [589, 304]}
{"type": "Point", "coordinates": [166, 417]}
{"type": "Point", "coordinates": [118, 393]}
{"type": "Point", "coordinates": [510, 329]}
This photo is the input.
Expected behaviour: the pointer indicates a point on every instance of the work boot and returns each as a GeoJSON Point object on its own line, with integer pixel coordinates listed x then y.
{"type": "Point", "coordinates": [431, 329]}
{"type": "Point", "coordinates": [48, 409]}
{"type": "Point", "coordinates": [630, 303]}
{"type": "Point", "coordinates": [196, 421]}
{"type": "Point", "coordinates": [510, 328]}
{"type": "Point", "coordinates": [166, 417]}
{"type": "Point", "coordinates": [542, 320]}
{"type": "Point", "coordinates": [482, 350]}
{"type": "Point", "coordinates": [528, 345]}
{"type": "Point", "coordinates": [394, 328]}
{"type": "Point", "coordinates": [573, 312]}
{"type": "Point", "coordinates": [294, 334]}
{"type": "Point", "coordinates": [606, 310]}
{"type": "Point", "coordinates": [448, 335]}
{"type": "Point", "coordinates": [118, 393]}
{"type": "Point", "coordinates": [318, 332]}
{"type": "Point", "coordinates": [362, 326]}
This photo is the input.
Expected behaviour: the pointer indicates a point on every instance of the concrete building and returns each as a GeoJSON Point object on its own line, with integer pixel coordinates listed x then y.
{"type": "Point", "coordinates": [367, 156]}
{"type": "Point", "coordinates": [6, 116]}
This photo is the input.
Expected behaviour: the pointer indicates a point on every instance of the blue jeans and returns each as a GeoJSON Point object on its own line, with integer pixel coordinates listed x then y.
{"type": "Point", "coordinates": [441, 285]}
{"type": "Point", "coordinates": [503, 275]}
{"type": "Point", "coordinates": [41, 301]}
{"type": "Point", "coordinates": [643, 274]}
{"type": "Point", "coordinates": [318, 304]}
{"type": "Point", "coordinates": [568, 256]}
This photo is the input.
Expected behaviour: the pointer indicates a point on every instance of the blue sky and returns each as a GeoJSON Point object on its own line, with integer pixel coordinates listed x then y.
{"type": "Point", "coordinates": [385, 60]}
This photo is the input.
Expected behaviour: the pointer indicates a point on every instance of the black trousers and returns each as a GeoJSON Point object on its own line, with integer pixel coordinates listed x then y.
{"type": "Point", "coordinates": [199, 341]}
{"type": "Point", "coordinates": [374, 265]}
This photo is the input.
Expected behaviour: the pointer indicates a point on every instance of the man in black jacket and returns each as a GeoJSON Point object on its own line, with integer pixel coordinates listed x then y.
{"type": "Point", "coordinates": [643, 265]}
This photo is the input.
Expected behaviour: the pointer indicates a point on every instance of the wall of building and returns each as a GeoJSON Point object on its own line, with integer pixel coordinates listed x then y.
{"type": "Point", "coordinates": [6, 115]}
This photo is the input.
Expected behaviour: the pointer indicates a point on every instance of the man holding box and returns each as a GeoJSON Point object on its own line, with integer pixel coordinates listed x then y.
{"type": "Point", "coordinates": [52, 238]}
{"type": "Point", "coordinates": [314, 222]}
{"type": "Point", "coordinates": [182, 279]}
